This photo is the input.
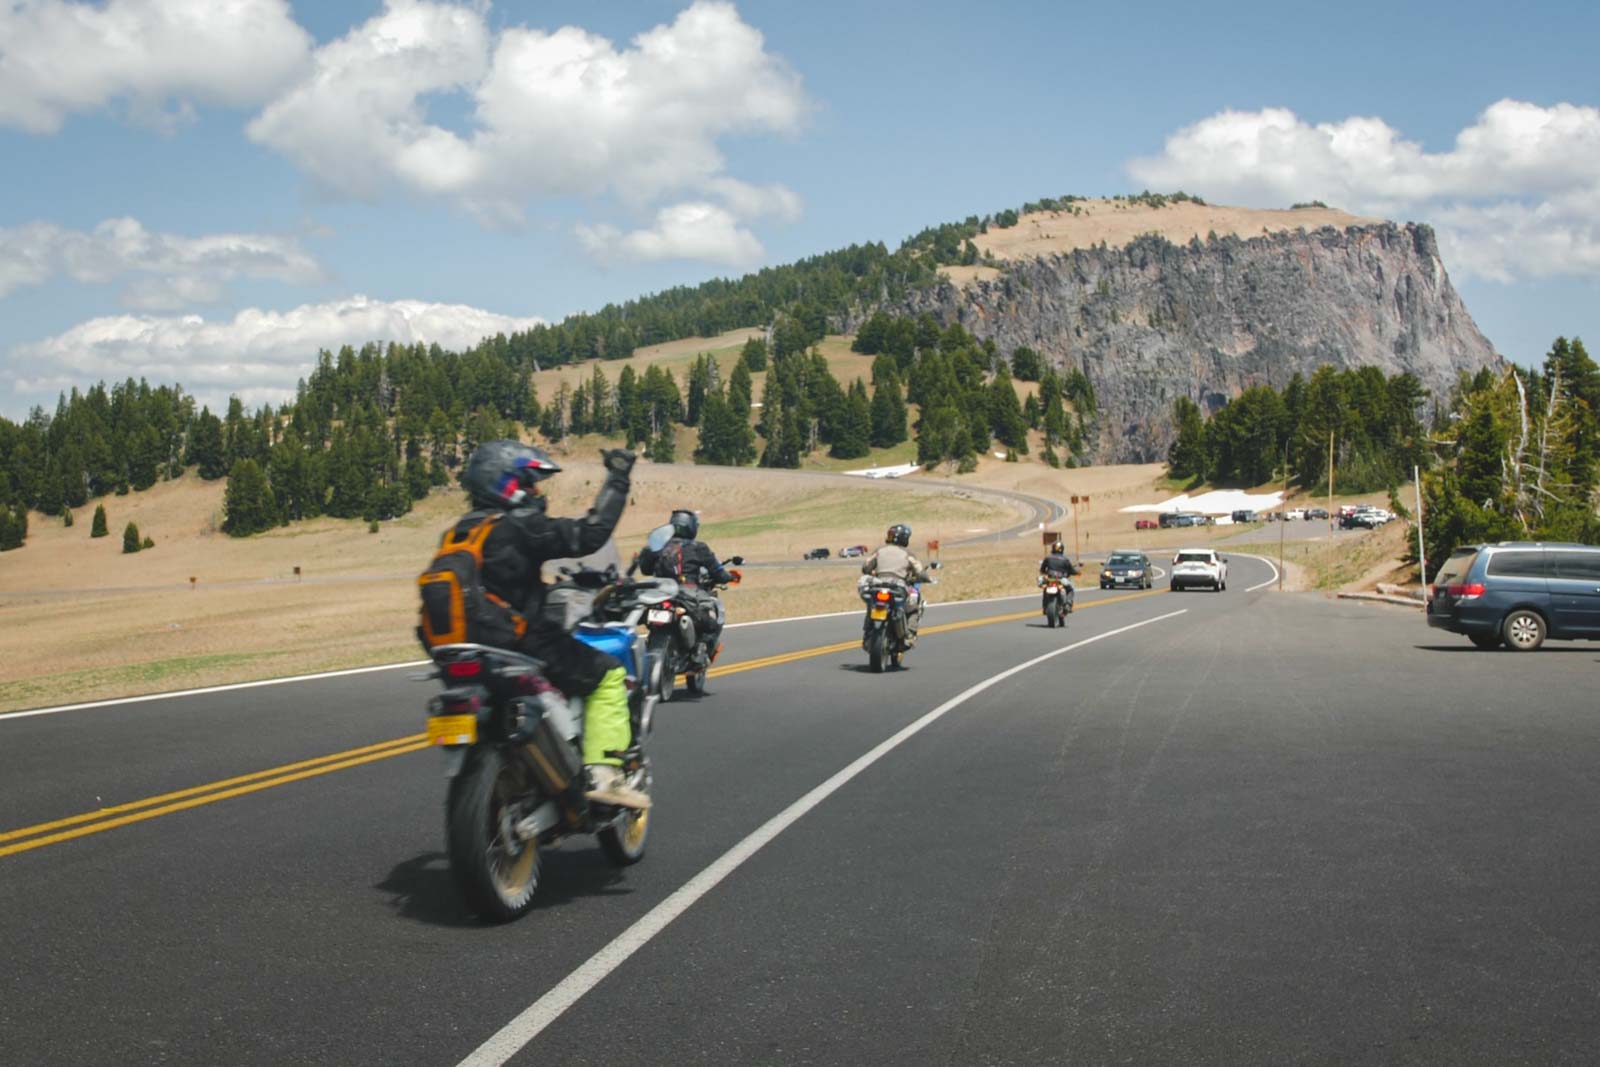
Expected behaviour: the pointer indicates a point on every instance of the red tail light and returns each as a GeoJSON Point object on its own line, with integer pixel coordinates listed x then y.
{"type": "Point", "coordinates": [667, 605]}
{"type": "Point", "coordinates": [464, 668]}
{"type": "Point", "coordinates": [1466, 590]}
{"type": "Point", "coordinates": [882, 594]}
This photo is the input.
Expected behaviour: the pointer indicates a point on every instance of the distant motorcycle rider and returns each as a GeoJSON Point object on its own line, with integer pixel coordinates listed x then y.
{"type": "Point", "coordinates": [894, 560]}
{"type": "Point", "coordinates": [692, 564]}
{"type": "Point", "coordinates": [504, 476]}
{"type": "Point", "coordinates": [1057, 565]}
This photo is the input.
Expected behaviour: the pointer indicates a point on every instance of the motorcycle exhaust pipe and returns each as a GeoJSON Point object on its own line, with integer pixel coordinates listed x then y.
{"type": "Point", "coordinates": [556, 761]}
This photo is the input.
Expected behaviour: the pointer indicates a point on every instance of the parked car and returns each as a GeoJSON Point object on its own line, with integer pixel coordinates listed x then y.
{"type": "Point", "coordinates": [1167, 518]}
{"type": "Point", "coordinates": [1518, 593]}
{"type": "Point", "coordinates": [1366, 518]}
{"type": "Point", "coordinates": [1126, 567]}
{"type": "Point", "coordinates": [1294, 514]}
{"type": "Point", "coordinates": [816, 553]}
{"type": "Point", "coordinates": [1144, 524]}
{"type": "Point", "coordinates": [1246, 515]}
{"type": "Point", "coordinates": [1199, 567]}
{"type": "Point", "coordinates": [852, 551]}
{"type": "Point", "coordinates": [1316, 513]}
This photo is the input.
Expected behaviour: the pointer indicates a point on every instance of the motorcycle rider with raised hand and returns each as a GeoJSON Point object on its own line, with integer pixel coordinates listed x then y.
{"type": "Point", "coordinates": [894, 560]}
{"type": "Point", "coordinates": [504, 476]}
{"type": "Point", "coordinates": [1057, 565]}
{"type": "Point", "coordinates": [691, 563]}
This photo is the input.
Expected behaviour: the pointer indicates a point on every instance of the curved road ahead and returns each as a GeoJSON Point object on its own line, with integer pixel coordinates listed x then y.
{"type": "Point", "coordinates": [1225, 828]}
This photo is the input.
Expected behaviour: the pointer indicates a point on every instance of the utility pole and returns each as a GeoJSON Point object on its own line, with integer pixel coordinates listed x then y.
{"type": "Point", "coordinates": [1283, 515]}
{"type": "Point", "coordinates": [1330, 481]}
{"type": "Point", "coordinates": [1422, 556]}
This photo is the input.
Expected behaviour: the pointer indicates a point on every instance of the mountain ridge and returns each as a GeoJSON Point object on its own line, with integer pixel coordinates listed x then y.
{"type": "Point", "coordinates": [1152, 320]}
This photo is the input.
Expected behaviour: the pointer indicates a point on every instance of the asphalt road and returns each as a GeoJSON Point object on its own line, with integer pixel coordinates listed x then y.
{"type": "Point", "coordinates": [1270, 829]}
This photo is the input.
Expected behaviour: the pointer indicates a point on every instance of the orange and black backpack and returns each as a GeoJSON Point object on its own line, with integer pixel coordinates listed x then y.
{"type": "Point", "coordinates": [456, 607]}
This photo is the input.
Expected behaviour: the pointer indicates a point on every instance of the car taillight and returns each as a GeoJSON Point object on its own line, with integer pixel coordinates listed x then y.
{"type": "Point", "coordinates": [464, 668]}
{"type": "Point", "coordinates": [1466, 590]}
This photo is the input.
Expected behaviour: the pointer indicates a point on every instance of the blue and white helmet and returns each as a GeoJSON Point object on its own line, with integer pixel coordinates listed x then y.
{"type": "Point", "coordinates": [500, 474]}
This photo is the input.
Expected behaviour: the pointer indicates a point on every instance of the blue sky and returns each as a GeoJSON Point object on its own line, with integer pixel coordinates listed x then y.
{"type": "Point", "coordinates": [210, 199]}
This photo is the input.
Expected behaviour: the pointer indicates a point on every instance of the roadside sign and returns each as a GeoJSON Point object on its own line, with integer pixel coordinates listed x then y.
{"type": "Point", "coordinates": [1050, 537]}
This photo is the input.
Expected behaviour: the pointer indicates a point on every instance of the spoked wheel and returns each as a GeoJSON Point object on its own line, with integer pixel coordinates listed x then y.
{"type": "Point", "coordinates": [1523, 631]}
{"type": "Point", "coordinates": [875, 651]}
{"type": "Point", "coordinates": [496, 873]}
{"type": "Point", "coordinates": [624, 840]}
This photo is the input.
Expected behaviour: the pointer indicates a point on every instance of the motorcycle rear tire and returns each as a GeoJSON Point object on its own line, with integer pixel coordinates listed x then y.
{"type": "Point", "coordinates": [1052, 613]}
{"type": "Point", "coordinates": [875, 651]}
{"type": "Point", "coordinates": [660, 650]}
{"type": "Point", "coordinates": [496, 876]}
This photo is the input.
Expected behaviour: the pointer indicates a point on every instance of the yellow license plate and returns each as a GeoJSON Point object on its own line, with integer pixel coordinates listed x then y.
{"type": "Point", "coordinates": [880, 613]}
{"type": "Point", "coordinates": [452, 729]}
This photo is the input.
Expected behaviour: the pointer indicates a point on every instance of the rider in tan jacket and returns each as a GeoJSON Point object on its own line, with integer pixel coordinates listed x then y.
{"type": "Point", "coordinates": [894, 560]}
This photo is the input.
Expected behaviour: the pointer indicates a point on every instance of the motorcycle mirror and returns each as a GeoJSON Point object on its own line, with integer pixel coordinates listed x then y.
{"type": "Point", "coordinates": [737, 561]}
{"type": "Point", "coordinates": [935, 565]}
{"type": "Point", "coordinates": [658, 538]}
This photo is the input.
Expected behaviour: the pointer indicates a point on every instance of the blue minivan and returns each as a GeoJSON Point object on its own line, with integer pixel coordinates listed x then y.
{"type": "Point", "coordinates": [1518, 593]}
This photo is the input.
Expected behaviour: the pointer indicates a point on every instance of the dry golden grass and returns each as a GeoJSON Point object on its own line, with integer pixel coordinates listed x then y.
{"type": "Point", "coordinates": [84, 621]}
{"type": "Point", "coordinates": [1117, 223]}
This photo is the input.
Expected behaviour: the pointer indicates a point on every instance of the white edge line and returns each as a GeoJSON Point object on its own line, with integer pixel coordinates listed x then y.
{"type": "Point", "coordinates": [59, 708]}
{"type": "Point", "coordinates": [1262, 559]}
{"type": "Point", "coordinates": [516, 1034]}
{"type": "Point", "coordinates": [209, 689]}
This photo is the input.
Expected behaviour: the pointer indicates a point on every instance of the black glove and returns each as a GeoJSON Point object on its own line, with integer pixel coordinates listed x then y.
{"type": "Point", "coordinates": [619, 460]}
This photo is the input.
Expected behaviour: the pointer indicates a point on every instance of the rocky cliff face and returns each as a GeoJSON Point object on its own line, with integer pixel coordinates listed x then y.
{"type": "Point", "coordinates": [1152, 321]}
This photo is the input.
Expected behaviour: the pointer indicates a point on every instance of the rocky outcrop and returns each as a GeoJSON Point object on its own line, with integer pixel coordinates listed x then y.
{"type": "Point", "coordinates": [1151, 321]}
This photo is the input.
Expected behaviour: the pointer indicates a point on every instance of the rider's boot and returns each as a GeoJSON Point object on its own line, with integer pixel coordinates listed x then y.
{"type": "Point", "coordinates": [606, 729]}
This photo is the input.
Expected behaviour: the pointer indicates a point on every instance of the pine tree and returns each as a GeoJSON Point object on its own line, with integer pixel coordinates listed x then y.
{"type": "Point", "coordinates": [852, 437]}
{"type": "Point", "coordinates": [1186, 458]}
{"type": "Point", "coordinates": [13, 527]}
{"type": "Point", "coordinates": [754, 355]}
{"type": "Point", "coordinates": [205, 447]}
{"type": "Point", "coordinates": [130, 538]}
{"type": "Point", "coordinates": [98, 528]}
{"type": "Point", "coordinates": [247, 503]}
{"type": "Point", "coordinates": [888, 411]}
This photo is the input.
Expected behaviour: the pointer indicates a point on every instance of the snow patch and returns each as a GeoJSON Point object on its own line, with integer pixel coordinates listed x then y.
{"type": "Point", "coordinates": [1216, 502]}
{"type": "Point", "coordinates": [887, 472]}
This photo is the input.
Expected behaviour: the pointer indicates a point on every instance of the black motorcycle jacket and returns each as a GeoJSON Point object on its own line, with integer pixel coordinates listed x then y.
{"type": "Point", "coordinates": [526, 537]}
{"type": "Point", "coordinates": [686, 561]}
{"type": "Point", "coordinates": [1059, 566]}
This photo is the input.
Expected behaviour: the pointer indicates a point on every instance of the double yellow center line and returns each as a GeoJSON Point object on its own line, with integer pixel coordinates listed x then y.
{"type": "Point", "coordinates": [51, 833]}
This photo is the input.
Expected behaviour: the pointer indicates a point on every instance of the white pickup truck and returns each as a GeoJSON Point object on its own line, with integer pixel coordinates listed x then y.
{"type": "Point", "coordinates": [1199, 567]}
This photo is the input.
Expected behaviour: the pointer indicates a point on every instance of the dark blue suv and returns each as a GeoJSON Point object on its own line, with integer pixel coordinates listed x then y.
{"type": "Point", "coordinates": [1519, 593]}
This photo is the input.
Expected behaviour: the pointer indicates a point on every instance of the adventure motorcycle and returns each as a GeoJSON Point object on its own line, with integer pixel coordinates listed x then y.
{"type": "Point", "coordinates": [885, 632]}
{"type": "Point", "coordinates": [676, 643]}
{"type": "Point", "coordinates": [513, 749]}
{"type": "Point", "coordinates": [1058, 598]}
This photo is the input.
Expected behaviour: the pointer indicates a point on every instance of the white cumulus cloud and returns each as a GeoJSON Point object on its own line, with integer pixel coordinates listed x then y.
{"type": "Point", "coordinates": [258, 355]}
{"type": "Point", "coordinates": [682, 231]}
{"type": "Point", "coordinates": [58, 58]}
{"type": "Point", "coordinates": [170, 271]}
{"type": "Point", "coordinates": [550, 113]}
{"type": "Point", "coordinates": [1516, 196]}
